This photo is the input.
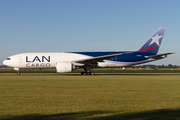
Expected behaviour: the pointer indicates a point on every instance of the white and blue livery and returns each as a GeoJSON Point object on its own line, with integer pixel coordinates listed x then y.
{"type": "Point", "coordinates": [67, 62]}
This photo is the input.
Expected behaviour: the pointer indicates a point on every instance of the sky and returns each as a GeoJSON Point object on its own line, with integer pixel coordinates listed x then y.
{"type": "Point", "coordinates": [88, 25]}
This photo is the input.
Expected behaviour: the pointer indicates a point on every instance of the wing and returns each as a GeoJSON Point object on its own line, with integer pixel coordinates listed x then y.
{"type": "Point", "coordinates": [94, 60]}
{"type": "Point", "coordinates": [159, 55]}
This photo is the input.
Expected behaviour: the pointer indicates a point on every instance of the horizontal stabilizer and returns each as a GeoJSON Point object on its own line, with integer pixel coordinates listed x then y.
{"type": "Point", "coordinates": [159, 55]}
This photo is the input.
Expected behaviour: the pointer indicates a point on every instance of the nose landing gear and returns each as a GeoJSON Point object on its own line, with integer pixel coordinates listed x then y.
{"type": "Point", "coordinates": [18, 72]}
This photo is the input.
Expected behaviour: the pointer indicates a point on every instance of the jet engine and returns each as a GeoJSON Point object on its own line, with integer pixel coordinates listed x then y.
{"type": "Point", "coordinates": [63, 67]}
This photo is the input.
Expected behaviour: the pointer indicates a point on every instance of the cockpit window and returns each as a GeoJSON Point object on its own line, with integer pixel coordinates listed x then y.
{"type": "Point", "coordinates": [8, 58]}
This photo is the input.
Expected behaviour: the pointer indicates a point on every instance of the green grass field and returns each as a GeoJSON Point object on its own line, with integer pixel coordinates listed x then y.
{"type": "Point", "coordinates": [89, 97]}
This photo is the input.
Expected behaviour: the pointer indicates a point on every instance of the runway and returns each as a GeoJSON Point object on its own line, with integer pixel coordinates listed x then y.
{"type": "Point", "coordinates": [56, 74]}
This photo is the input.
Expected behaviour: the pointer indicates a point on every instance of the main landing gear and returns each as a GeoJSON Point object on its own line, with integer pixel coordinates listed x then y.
{"type": "Point", "coordinates": [87, 69]}
{"type": "Point", "coordinates": [87, 73]}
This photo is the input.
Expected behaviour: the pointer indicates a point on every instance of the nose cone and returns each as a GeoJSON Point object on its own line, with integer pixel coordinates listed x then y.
{"type": "Point", "coordinates": [5, 62]}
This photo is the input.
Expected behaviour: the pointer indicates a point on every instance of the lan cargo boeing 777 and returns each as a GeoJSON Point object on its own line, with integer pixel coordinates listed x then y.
{"type": "Point", "coordinates": [67, 62]}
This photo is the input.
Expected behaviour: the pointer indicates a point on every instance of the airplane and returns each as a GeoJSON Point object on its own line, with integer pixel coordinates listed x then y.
{"type": "Point", "coordinates": [69, 61]}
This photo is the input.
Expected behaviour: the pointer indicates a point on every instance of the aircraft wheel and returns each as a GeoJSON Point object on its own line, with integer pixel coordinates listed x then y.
{"type": "Point", "coordinates": [83, 73]}
{"type": "Point", "coordinates": [92, 73]}
{"type": "Point", "coordinates": [88, 73]}
{"type": "Point", "coordinates": [18, 73]}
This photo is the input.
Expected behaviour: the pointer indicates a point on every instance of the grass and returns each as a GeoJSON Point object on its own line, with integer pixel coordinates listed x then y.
{"type": "Point", "coordinates": [89, 97]}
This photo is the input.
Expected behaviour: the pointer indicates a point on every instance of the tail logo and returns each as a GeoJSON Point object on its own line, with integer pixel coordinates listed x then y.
{"type": "Point", "coordinates": [155, 39]}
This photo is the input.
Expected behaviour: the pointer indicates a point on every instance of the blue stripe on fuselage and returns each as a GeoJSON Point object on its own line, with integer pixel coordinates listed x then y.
{"type": "Point", "coordinates": [96, 54]}
{"type": "Point", "coordinates": [131, 57]}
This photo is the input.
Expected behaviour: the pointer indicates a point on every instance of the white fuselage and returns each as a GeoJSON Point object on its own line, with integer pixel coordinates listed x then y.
{"type": "Point", "coordinates": [49, 60]}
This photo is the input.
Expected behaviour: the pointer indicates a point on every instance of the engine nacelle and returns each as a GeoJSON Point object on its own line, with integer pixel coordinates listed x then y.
{"type": "Point", "coordinates": [63, 67]}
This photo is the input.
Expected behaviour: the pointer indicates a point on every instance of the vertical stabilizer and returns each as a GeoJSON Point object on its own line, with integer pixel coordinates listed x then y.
{"type": "Point", "coordinates": [154, 42]}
